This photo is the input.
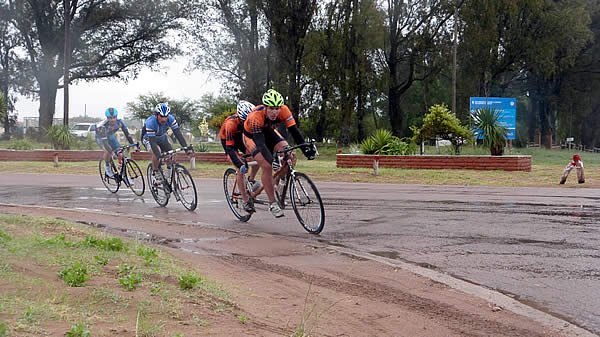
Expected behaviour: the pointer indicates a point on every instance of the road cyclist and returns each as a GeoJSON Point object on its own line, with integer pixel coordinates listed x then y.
{"type": "Point", "coordinates": [262, 140]}
{"type": "Point", "coordinates": [155, 139]}
{"type": "Point", "coordinates": [303, 194]}
{"type": "Point", "coordinates": [106, 139]}
{"type": "Point", "coordinates": [231, 139]}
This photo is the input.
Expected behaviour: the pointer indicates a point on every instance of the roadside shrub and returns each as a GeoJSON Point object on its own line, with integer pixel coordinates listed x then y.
{"type": "Point", "coordinates": [20, 144]}
{"type": "Point", "coordinates": [75, 275]}
{"type": "Point", "coordinates": [78, 330]}
{"type": "Point", "coordinates": [442, 123]}
{"type": "Point", "coordinates": [384, 143]}
{"type": "Point", "coordinates": [130, 281]}
{"type": "Point", "coordinates": [188, 280]}
{"type": "Point", "coordinates": [486, 122]}
{"type": "Point", "coordinates": [60, 136]}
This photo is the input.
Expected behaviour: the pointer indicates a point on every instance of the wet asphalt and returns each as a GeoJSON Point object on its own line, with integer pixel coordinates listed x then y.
{"type": "Point", "coordinates": [538, 245]}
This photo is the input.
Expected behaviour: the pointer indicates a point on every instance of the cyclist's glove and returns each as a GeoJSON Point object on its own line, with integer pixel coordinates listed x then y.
{"type": "Point", "coordinates": [309, 152]}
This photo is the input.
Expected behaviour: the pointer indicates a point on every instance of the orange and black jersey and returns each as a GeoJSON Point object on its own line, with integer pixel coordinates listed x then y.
{"type": "Point", "coordinates": [231, 138]}
{"type": "Point", "coordinates": [232, 127]}
{"type": "Point", "coordinates": [257, 120]}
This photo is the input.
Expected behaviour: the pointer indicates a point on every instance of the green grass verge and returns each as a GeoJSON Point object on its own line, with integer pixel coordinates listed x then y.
{"type": "Point", "coordinates": [547, 169]}
{"type": "Point", "coordinates": [42, 256]}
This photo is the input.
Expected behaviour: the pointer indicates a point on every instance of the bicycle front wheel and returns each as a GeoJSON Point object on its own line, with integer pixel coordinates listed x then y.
{"type": "Point", "coordinates": [307, 204]}
{"type": "Point", "coordinates": [185, 188]}
{"type": "Point", "coordinates": [111, 183]}
{"type": "Point", "coordinates": [134, 177]}
{"type": "Point", "coordinates": [233, 195]}
{"type": "Point", "coordinates": [157, 188]}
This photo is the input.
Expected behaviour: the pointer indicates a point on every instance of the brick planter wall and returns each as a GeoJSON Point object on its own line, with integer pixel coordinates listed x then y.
{"type": "Point", "coordinates": [506, 163]}
{"type": "Point", "coordinates": [94, 155]}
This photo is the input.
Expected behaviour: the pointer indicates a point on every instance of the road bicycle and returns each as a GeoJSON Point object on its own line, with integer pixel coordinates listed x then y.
{"type": "Point", "coordinates": [128, 172]}
{"type": "Point", "coordinates": [303, 194]}
{"type": "Point", "coordinates": [172, 177]}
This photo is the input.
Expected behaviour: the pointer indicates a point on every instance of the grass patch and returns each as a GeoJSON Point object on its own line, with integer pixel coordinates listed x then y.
{"type": "Point", "coordinates": [547, 167]}
{"type": "Point", "coordinates": [44, 258]}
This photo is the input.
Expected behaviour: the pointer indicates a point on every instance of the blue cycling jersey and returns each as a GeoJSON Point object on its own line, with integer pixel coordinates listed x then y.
{"type": "Point", "coordinates": [104, 129]}
{"type": "Point", "coordinates": [154, 129]}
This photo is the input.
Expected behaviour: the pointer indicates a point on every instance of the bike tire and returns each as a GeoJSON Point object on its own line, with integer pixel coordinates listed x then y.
{"type": "Point", "coordinates": [307, 204]}
{"type": "Point", "coordinates": [111, 183]}
{"type": "Point", "coordinates": [160, 194]}
{"type": "Point", "coordinates": [185, 188]}
{"type": "Point", "coordinates": [233, 195]}
{"type": "Point", "coordinates": [134, 174]}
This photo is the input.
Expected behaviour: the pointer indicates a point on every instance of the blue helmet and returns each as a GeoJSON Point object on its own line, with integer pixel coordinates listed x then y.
{"type": "Point", "coordinates": [162, 109]}
{"type": "Point", "coordinates": [243, 109]}
{"type": "Point", "coordinates": [111, 112]}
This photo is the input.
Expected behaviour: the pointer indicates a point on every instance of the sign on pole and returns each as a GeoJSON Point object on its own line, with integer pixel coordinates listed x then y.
{"type": "Point", "coordinates": [507, 108]}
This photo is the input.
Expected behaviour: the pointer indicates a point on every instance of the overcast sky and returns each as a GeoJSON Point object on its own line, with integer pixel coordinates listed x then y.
{"type": "Point", "coordinates": [95, 97]}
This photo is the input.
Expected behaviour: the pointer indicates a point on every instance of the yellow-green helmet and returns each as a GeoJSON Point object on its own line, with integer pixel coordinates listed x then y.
{"type": "Point", "coordinates": [272, 98]}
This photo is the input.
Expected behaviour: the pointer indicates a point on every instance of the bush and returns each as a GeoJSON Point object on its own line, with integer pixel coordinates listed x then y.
{"type": "Point", "coordinates": [60, 136]}
{"type": "Point", "coordinates": [442, 123]}
{"type": "Point", "coordinates": [486, 122]}
{"type": "Point", "coordinates": [20, 144]}
{"type": "Point", "coordinates": [384, 143]}
{"type": "Point", "coordinates": [75, 275]}
{"type": "Point", "coordinates": [188, 280]}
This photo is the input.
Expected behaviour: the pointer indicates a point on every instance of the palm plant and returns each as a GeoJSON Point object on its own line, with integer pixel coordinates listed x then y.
{"type": "Point", "coordinates": [60, 136]}
{"type": "Point", "coordinates": [486, 122]}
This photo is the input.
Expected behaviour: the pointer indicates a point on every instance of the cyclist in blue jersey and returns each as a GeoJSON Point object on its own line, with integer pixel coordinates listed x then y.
{"type": "Point", "coordinates": [154, 134]}
{"type": "Point", "coordinates": [105, 136]}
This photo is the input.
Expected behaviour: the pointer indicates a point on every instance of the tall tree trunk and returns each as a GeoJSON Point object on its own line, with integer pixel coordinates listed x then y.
{"type": "Point", "coordinates": [395, 112]}
{"type": "Point", "coordinates": [6, 120]}
{"type": "Point", "coordinates": [360, 113]}
{"type": "Point", "coordinates": [320, 125]}
{"type": "Point", "coordinates": [546, 123]}
{"type": "Point", "coordinates": [48, 87]}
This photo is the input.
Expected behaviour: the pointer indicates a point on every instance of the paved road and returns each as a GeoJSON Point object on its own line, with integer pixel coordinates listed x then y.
{"type": "Point", "coordinates": [540, 245]}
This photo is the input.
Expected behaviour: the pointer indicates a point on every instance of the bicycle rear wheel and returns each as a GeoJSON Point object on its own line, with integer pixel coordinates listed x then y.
{"type": "Point", "coordinates": [157, 188]}
{"type": "Point", "coordinates": [134, 176]}
{"type": "Point", "coordinates": [185, 188]}
{"type": "Point", "coordinates": [307, 204]}
{"type": "Point", "coordinates": [111, 183]}
{"type": "Point", "coordinates": [233, 195]}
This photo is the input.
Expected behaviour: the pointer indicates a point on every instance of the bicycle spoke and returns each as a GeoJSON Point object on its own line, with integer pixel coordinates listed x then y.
{"type": "Point", "coordinates": [233, 195]}
{"type": "Point", "coordinates": [111, 183]}
{"type": "Point", "coordinates": [185, 187]}
{"type": "Point", "coordinates": [135, 177]}
{"type": "Point", "coordinates": [307, 203]}
{"type": "Point", "coordinates": [157, 188]}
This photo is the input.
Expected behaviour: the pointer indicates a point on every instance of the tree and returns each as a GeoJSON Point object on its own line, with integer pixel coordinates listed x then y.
{"type": "Point", "coordinates": [289, 21]}
{"type": "Point", "coordinates": [442, 123]}
{"type": "Point", "coordinates": [108, 39]}
{"type": "Point", "coordinates": [186, 111]}
{"type": "Point", "coordinates": [234, 47]}
{"type": "Point", "coordinates": [417, 48]}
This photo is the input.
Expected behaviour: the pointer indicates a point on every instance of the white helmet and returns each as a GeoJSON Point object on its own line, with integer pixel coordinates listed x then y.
{"type": "Point", "coordinates": [243, 109]}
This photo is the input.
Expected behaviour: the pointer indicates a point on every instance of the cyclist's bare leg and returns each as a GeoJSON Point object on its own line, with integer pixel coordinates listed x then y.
{"type": "Point", "coordinates": [155, 162]}
{"type": "Point", "coordinates": [266, 176]}
{"type": "Point", "coordinates": [279, 146]}
{"type": "Point", "coordinates": [239, 178]}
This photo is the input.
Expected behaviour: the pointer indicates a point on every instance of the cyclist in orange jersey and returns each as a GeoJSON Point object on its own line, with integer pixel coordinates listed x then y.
{"type": "Point", "coordinates": [231, 140]}
{"type": "Point", "coordinates": [261, 140]}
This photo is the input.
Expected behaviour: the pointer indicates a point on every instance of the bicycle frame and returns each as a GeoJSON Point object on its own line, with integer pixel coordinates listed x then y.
{"type": "Point", "coordinates": [124, 160]}
{"type": "Point", "coordinates": [287, 172]}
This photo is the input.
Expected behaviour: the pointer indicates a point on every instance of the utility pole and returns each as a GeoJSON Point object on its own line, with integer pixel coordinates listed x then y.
{"type": "Point", "coordinates": [67, 59]}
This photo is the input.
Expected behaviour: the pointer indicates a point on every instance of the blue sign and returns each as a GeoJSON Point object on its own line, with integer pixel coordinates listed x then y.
{"type": "Point", "coordinates": [507, 108]}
